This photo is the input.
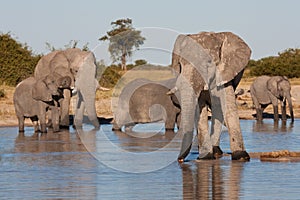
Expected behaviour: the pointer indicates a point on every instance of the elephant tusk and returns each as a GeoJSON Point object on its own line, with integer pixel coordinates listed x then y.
{"type": "Point", "coordinates": [74, 91]}
{"type": "Point", "coordinates": [103, 88]}
{"type": "Point", "coordinates": [172, 91]}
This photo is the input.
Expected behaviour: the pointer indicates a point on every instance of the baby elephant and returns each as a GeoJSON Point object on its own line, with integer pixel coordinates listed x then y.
{"type": "Point", "coordinates": [32, 99]}
{"type": "Point", "coordinates": [267, 90]}
{"type": "Point", "coordinates": [144, 101]}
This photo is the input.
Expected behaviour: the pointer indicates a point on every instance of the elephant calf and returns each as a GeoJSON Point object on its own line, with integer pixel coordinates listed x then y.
{"type": "Point", "coordinates": [32, 98]}
{"type": "Point", "coordinates": [266, 90]}
{"type": "Point", "coordinates": [144, 101]}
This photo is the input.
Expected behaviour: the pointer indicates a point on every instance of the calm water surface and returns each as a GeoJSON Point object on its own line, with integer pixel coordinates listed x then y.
{"type": "Point", "coordinates": [114, 165]}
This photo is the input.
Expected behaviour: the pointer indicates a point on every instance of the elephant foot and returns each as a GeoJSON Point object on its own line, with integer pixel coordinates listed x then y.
{"type": "Point", "coordinates": [116, 129]}
{"type": "Point", "coordinates": [240, 155]}
{"type": "Point", "coordinates": [49, 123]}
{"type": "Point", "coordinates": [78, 126]}
{"type": "Point", "coordinates": [169, 129]}
{"type": "Point", "coordinates": [55, 130]}
{"type": "Point", "coordinates": [217, 151]}
{"type": "Point", "coordinates": [43, 128]}
{"type": "Point", "coordinates": [209, 156]}
{"type": "Point", "coordinates": [65, 127]}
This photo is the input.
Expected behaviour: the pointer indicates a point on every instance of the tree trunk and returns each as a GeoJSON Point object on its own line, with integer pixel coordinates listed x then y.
{"type": "Point", "coordinates": [123, 61]}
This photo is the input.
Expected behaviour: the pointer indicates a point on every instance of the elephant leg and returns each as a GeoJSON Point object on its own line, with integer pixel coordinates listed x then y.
{"type": "Point", "coordinates": [55, 118]}
{"type": "Point", "coordinates": [21, 123]}
{"type": "Point", "coordinates": [259, 114]}
{"type": "Point", "coordinates": [204, 140]}
{"type": "Point", "coordinates": [216, 130]}
{"type": "Point", "coordinates": [64, 113]}
{"type": "Point", "coordinates": [217, 123]}
{"type": "Point", "coordinates": [35, 123]}
{"type": "Point", "coordinates": [170, 121]}
{"type": "Point", "coordinates": [79, 111]}
{"type": "Point", "coordinates": [233, 124]}
{"type": "Point", "coordinates": [258, 108]}
{"type": "Point", "coordinates": [42, 116]}
{"type": "Point", "coordinates": [276, 116]}
{"type": "Point", "coordinates": [283, 110]}
{"type": "Point", "coordinates": [43, 123]}
{"type": "Point", "coordinates": [89, 105]}
{"type": "Point", "coordinates": [116, 127]}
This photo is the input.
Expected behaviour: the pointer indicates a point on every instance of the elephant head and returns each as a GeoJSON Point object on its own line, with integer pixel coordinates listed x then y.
{"type": "Point", "coordinates": [205, 61]}
{"type": "Point", "coordinates": [280, 87]}
{"type": "Point", "coordinates": [45, 88]}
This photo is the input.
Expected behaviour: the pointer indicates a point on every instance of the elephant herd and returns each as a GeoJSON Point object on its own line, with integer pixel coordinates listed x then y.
{"type": "Point", "coordinates": [208, 67]}
{"type": "Point", "coordinates": [57, 76]}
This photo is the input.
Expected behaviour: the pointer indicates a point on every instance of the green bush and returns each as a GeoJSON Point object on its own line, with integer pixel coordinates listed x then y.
{"type": "Point", "coordinates": [286, 63]}
{"type": "Point", "coordinates": [17, 61]}
{"type": "Point", "coordinates": [110, 77]}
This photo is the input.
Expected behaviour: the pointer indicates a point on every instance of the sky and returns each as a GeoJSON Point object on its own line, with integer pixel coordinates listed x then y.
{"type": "Point", "coordinates": [267, 26]}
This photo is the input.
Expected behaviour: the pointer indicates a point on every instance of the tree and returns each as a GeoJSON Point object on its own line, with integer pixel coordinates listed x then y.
{"type": "Point", "coordinates": [287, 63]}
{"type": "Point", "coordinates": [123, 39]}
{"type": "Point", "coordinates": [17, 61]}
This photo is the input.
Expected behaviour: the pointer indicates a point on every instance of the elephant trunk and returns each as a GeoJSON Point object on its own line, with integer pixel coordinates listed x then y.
{"type": "Point", "coordinates": [188, 107]}
{"type": "Point", "coordinates": [88, 96]}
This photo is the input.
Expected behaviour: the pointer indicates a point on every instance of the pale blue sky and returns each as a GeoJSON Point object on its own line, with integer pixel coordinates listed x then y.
{"type": "Point", "coordinates": [268, 26]}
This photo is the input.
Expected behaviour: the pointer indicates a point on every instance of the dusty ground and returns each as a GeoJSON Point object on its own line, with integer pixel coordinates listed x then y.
{"type": "Point", "coordinates": [103, 104]}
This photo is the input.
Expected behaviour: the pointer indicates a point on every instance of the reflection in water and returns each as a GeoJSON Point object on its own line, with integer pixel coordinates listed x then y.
{"type": "Point", "coordinates": [40, 143]}
{"type": "Point", "coordinates": [143, 152]}
{"type": "Point", "coordinates": [210, 180]}
{"type": "Point", "coordinates": [57, 166]}
{"type": "Point", "coordinates": [272, 126]}
{"type": "Point", "coordinates": [46, 166]}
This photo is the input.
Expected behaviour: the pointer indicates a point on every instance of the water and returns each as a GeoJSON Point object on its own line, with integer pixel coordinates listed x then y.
{"type": "Point", "coordinates": [143, 166]}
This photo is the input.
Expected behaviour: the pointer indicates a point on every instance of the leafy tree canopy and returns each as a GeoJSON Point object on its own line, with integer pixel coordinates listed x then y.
{"type": "Point", "coordinates": [17, 61]}
{"type": "Point", "coordinates": [123, 39]}
{"type": "Point", "coordinates": [287, 63]}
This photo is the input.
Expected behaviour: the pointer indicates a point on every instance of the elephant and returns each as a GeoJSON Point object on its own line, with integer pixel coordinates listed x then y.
{"type": "Point", "coordinates": [210, 66]}
{"type": "Point", "coordinates": [81, 67]}
{"type": "Point", "coordinates": [144, 101]}
{"type": "Point", "coordinates": [266, 90]}
{"type": "Point", "coordinates": [32, 98]}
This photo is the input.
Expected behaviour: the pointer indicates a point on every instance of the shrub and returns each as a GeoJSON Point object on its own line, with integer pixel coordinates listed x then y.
{"type": "Point", "coordinates": [286, 63]}
{"type": "Point", "coordinates": [17, 61]}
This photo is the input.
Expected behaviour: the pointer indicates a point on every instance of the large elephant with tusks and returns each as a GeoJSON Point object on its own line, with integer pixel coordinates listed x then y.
{"type": "Point", "coordinates": [210, 66]}
{"type": "Point", "coordinates": [81, 67]}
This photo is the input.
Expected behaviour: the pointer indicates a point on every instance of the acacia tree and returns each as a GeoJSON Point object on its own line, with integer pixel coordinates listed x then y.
{"type": "Point", "coordinates": [123, 39]}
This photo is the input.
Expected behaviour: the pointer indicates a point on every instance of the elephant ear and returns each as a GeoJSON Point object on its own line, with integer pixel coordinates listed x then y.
{"type": "Point", "coordinates": [176, 54]}
{"type": "Point", "coordinates": [40, 91]}
{"type": "Point", "coordinates": [272, 85]}
{"type": "Point", "coordinates": [234, 57]}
